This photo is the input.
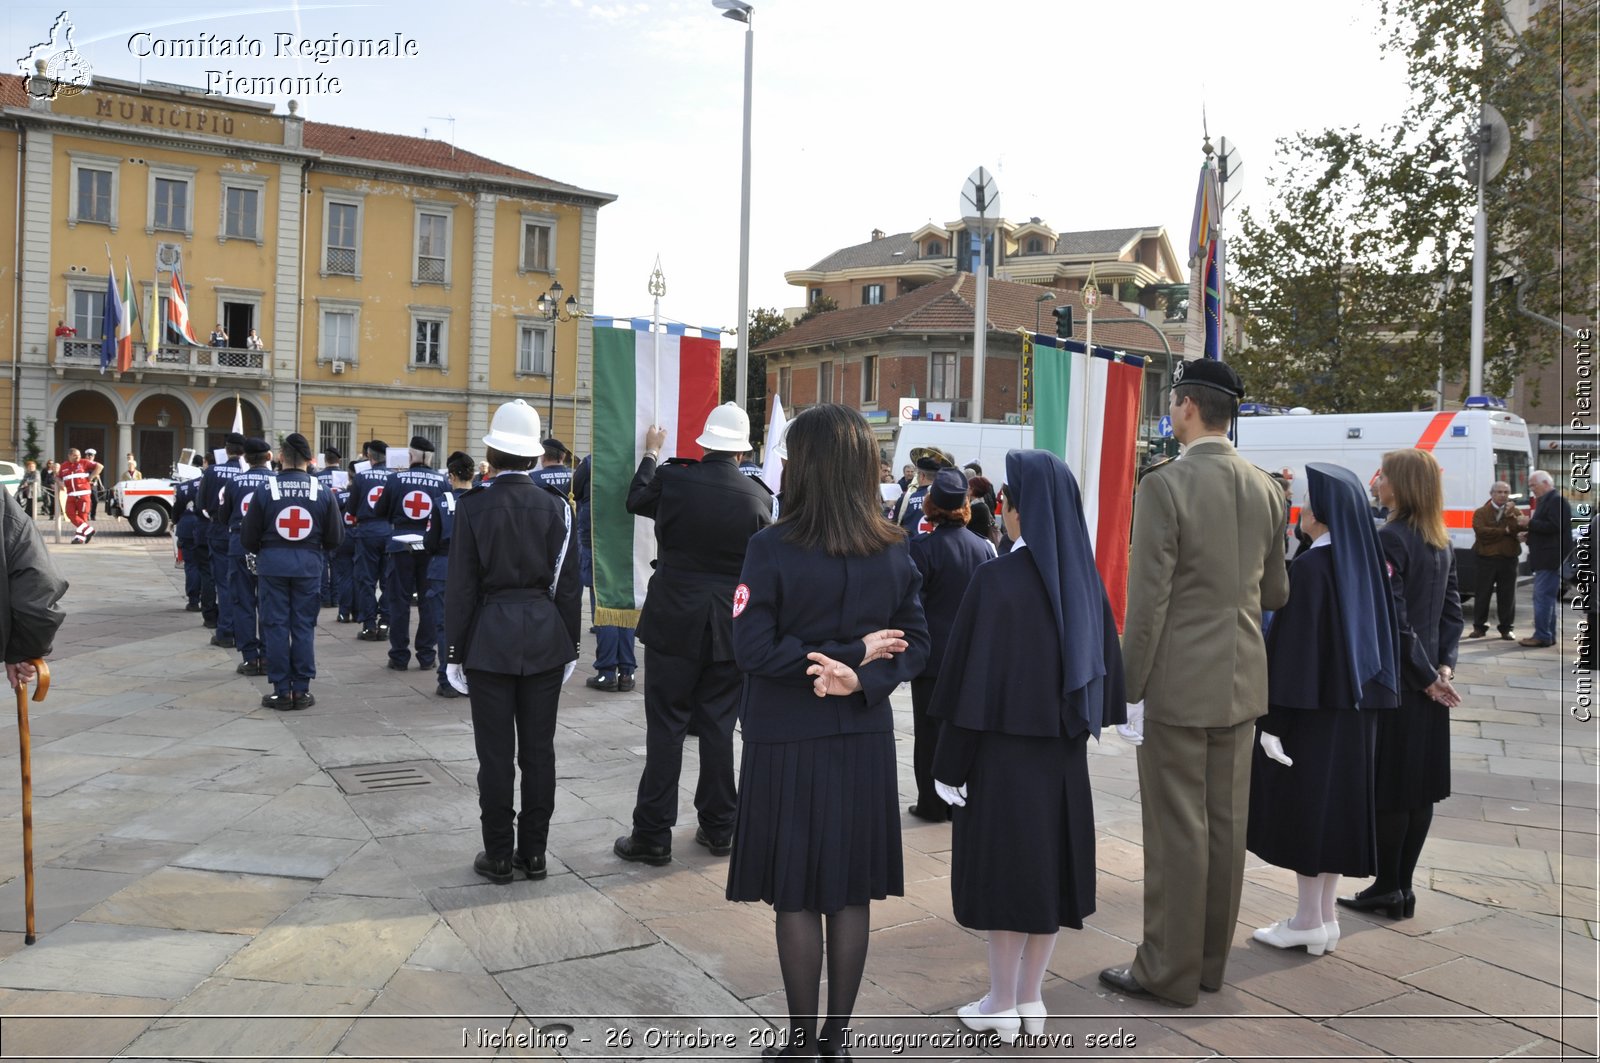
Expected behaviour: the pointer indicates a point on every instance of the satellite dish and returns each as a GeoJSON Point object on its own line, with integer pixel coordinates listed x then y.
{"type": "Point", "coordinates": [1493, 141]}
{"type": "Point", "coordinates": [1230, 163]}
{"type": "Point", "coordinates": [980, 197]}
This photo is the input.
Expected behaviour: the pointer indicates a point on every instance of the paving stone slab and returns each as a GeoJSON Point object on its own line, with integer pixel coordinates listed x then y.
{"type": "Point", "coordinates": [53, 773]}
{"type": "Point", "coordinates": [169, 722]}
{"type": "Point", "coordinates": [442, 950]}
{"type": "Point", "coordinates": [424, 810]}
{"type": "Point", "coordinates": [734, 944]}
{"type": "Point", "coordinates": [650, 892]}
{"type": "Point", "coordinates": [1493, 990]}
{"type": "Point", "coordinates": [186, 899]}
{"type": "Point", "coordinates": [314, 810]}
{"type": "Point", "coordinates": [289, 855]}
{"type": "Point", "coordinates": [1416, 1023]}
{"type": "Point", "coordinates": [129, 961]}
{"type": "Point", "coordinates": [1518, 894]}
{"type": "Point", "coordinates": [112, 744]}
{"type": "Point", "coordinates": [193, 816]}
{"type": "Point", "coordinates": [393, 1024]}
{"type": "Point", "coordinates": [250, 732]}
{"type": "Point", "coordinates": [336, 940]}
{"type": "Point", "coordinates": [928, 962]}
{"type": "Point", "coordinates": [329, 1012]}
{"type": "Point", "coordinates": [529, 923]}
{"type": "Point", "coordinates": [270, 774]}
{"type": "Point", "coordinates": [61, 894]}
{"type": "Point", "coordinates": [371, 872]}
{"type": "Point", "coordinates": [85, 1024]}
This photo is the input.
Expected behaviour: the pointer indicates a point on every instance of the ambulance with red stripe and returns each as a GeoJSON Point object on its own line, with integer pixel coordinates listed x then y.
{"type": "Point", "coordinates": [1474, 446]}
{"type": "Point", "coordinates": [148, 504]}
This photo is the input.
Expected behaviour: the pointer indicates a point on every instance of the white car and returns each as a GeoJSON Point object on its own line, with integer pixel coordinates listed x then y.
{"type": "Point", "coordinates": [10, 477]}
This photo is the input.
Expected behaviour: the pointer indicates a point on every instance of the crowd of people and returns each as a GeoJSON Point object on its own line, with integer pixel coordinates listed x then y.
{"type": "Point", "coordinates": [1295, 709]}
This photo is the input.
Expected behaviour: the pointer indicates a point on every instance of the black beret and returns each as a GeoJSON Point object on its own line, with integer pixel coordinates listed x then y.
{"type": "Point", "coordinates": [297, 444]}
{"type": "Point", "coordinates": [331, 454]}
{"type": "Point", "coordinates": [234, 439]}
{"type": "Point", "coordinates": [422, 443]}
{"type": "Point", "coordinates": [555, 444]}
{"type": "Point", "coordinates": [949, 489]}
{"type": "Point", "coordinates": [376, 444]}
{"type": "Point", "coordinates": [1208, 373]}
{"type": "Point", "coordinates": [257, 446]}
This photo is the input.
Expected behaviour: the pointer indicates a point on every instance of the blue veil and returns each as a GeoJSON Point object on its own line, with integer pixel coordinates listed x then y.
{"type": "Point", "coordinates": [1366, 602]}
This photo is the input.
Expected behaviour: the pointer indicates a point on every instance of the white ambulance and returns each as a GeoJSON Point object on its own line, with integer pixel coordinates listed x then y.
{"type": "Point", "coordinates": [1474, 447]}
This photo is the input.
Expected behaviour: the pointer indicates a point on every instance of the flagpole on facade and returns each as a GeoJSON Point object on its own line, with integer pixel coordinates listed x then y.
{"type": "Point", "coordinates": [658, 288]}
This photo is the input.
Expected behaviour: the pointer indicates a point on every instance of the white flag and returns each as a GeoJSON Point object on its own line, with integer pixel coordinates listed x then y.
{"type": "Point", "coordinates": [772, 467]}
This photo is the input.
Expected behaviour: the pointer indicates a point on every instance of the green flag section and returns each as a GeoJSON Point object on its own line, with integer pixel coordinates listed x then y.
{"type": "Point", "coordinates": [640, 378]}
{"type": "Point", "coordinates": [1052, 396]}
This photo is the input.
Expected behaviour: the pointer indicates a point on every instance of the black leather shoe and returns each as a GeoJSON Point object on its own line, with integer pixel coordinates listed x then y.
{"type": "Point", "coordinates": [345, 618]}
{"type": "Point", "coordinates": [304, 701]}
{"type": "Point", "coordinates": [255, 667]}
{"type": "Point", "coordinates": [192, 607]}
{"type": "Point", "coordinates": [1477, 633]}
{"type": "Point", "coordinates": [598, 682]}
{"type": "Point", "coordinates": [211, 624]}
{"type": "Point", "coordinates": [372, 634]}
{"type": "Point", "coordinates": [720, 846]}
{"type": "Point", "coordinates": [928, 815]}
{"type": "Point", "coordinates": [532, 866]}
{"type": "Point", "coordinates": [1122, 980]}
{"type": "Point", "coordinates": [427, 666]}
{"type": "Point", "coordinates": [281, 702]}
{"type": "Point", "coordinates": [497, 871]}
{"type": "Point", "coordinates": [630, 848]}
{"type": "Point", "coordinates": [624, 683]}
{"type": "Point", "coordinates": [447, 691]}
{"type": "Point", "coordinates": [1508, 636]}
{"type": "Point", "coordinates": [1391, 904]}
{"type": "Point", "coordinates": [398, 666]}
{"type": "Point", "coordinates": [218, 640]}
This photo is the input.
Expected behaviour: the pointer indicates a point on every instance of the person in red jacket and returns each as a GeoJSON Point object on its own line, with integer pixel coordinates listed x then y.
{"type": "Point", "coordinates": [76, 474]}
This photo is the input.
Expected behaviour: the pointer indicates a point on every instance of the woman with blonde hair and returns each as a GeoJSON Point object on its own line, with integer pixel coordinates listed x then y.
{"type": "Point", "coordinates": [1413, 751]}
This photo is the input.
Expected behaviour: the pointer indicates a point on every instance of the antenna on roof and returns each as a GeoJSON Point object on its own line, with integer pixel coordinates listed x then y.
{"type": "Point", "coordinates": [452, 120]}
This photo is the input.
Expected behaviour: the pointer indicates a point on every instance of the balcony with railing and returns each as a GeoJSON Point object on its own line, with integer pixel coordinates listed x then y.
{"type": "Point", "coordinates": [196, 363]}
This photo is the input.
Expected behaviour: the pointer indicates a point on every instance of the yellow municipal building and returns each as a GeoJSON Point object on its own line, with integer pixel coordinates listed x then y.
{"type": "Point", "coordinates": [369, 285]}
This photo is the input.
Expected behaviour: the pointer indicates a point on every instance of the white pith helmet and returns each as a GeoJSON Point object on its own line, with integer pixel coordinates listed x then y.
{"type": "Point", "coordinates": [515, 430]}
{"type": "Point", "coordinates": [727, 430]}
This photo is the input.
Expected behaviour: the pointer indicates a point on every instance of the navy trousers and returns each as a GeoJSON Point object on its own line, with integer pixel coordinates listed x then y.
{"type": "Point", "coordinates": [514, 726]}
{"type": "Point", "coordinates": [680, 692]}
{"type": "Point", "coordinates": [409, 576]}
{"type": "Point", "coordinates": [222, 578]}
{"type": "Point", "coordinates": [436, 597]}
{"type": "Point", "coordinates": [289, 607]}
{"type": "Point", "coordinates": [242, 596]}
{"type": "Point", "coordinates": [343, 566]}
{"type": "Point", "coordinates": [369, 570]}
{"type": "Point", "coordinates": [201, 550]}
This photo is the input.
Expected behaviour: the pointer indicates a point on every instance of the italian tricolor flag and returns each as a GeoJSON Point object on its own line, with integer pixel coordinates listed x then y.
{"type": "Point", "coordinates": [640, 378]}
{"type": "Point", "coordinates": [1086, 412]}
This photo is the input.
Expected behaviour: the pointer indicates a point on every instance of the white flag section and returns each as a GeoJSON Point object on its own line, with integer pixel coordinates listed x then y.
{"type": "Point", "coordinates": [772, 464]}
{"type": "Point", "coordinates": [238, 415]}
{"type": "Point", "coordinates": [1085, 432]}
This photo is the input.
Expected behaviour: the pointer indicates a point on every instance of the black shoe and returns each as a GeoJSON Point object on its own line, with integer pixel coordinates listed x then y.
{"type": "Point", "coordinates": [630, 848]}
{"type": "Point", "coordinates": [1122, 980]}
{"type": "Point", "coordinates": [1477, 633]}
{"type": "Point", "coordinates": [1508, 636]}
{"type": "Point", "coordinates": [344, 618]}
{"type": "Point", "coordinates": [1391, 904]}
{"type": "Point", "coordinates": [601, 682]}
{"type": "Point", "coordinates": [329, 605]}
{"type": "Point", "coordinates": [720, 846]}
{"type": "Point", "coordinates": [929, 815]}
{"type": "Point", "coordinates": [255, 667]}
{"type": "Point", "coordinates": [497, 871]}
{"type": "Point", "coordinates": [447, 691]}
{"type": "Point", "coordinates": [281, 702]}
{"type": "Point", "coordinates": [532, 866]}
{"type": "Point", "coordinates": [192, 607]}
{"type": "Point", "coordinates": [624, 683]}
{"type": "Point", "coordinates": [398, 666]}
{"type": "Point", "coordinates": [304, 700]}
{"type": "Point", "coordinates": [383, 628]}
{"type": "Point", "coordinates": [218, 640]}
{"type": "Point", "coordinates": [372, 634]}
{"type": "Point", "coordinates": [427, 666]}
{"type": "Point", "coordinates": [212, 624]}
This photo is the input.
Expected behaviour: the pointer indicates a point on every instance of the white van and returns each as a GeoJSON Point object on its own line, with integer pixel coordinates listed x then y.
{"type": "Point", "coordinates": [965, 442]}
{"type": "Point", "coordinates": [1474, 447]}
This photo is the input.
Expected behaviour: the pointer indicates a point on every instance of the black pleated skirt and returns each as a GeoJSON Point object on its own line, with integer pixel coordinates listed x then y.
{"type": "Point", "coordinates": [819, 823]}
{"type": "Point", "coordinates": [1317, 816]}
{"type": "Point", "coordinates": [1413, 762]}
{"type": "Point", "coordinates": [1022, 848]}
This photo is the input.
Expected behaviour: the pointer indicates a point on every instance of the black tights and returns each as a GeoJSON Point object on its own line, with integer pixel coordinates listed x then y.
{"type": "Point", "coordinates": [1400, 839]}
{"type": "Point", "coordinates": [800, 960]}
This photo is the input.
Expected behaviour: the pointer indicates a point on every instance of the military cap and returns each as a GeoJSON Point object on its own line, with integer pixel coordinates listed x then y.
{"type": "Point", "coordinates": [1208, 373]}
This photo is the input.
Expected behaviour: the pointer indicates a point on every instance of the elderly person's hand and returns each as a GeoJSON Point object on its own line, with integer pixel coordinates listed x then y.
{"type": "Point", "coordinates": [21, 673]}
{"type": "Point", "coordinates": [830, 677]}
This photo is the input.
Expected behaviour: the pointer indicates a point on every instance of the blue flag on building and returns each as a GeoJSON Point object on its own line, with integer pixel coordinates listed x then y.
{"type": "Point", "coordinates": [111, 323]}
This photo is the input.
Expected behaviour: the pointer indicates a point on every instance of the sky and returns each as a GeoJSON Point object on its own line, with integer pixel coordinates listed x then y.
{"type": "Point", "coordinates": [867, 113]}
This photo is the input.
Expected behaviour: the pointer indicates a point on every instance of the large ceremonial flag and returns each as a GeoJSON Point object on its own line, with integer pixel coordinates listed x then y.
{"type": "Point", "coordinates": [130, 314]}
{"type": "Point", "coordinates": [1203, 331]}
{"type": "Point", "coordinates": [772, 467]}
{"type": "Point", "coordinates": [178, 329]}
{"type": "Point", "coordinates": [111, 321]}
{"type": "Point", "coordinates": [1086, 412]}
{"type": "Point", "coordinates": [640, 378]}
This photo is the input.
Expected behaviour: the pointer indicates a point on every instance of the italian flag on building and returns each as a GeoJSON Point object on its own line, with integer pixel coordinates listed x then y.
{"type": "Point", "coordinates": [640, 378]}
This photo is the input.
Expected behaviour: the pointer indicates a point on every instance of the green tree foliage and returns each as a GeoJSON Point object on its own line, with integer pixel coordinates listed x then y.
{"type": "Point", "coordinates": [30, 441]}
{"type": "Point", "coordinates": [822, 304]}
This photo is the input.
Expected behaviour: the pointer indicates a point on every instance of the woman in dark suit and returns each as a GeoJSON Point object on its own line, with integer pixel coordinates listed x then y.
{"type": "Point", "coordinates": [1413, 752]}
{"type": "Point", "coordinates": [826, 623]}
{"type": "Point", "coordinates": [511, 623]}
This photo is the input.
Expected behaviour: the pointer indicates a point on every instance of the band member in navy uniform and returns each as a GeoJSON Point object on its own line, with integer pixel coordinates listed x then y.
{"type": "Point", "coordinates": [554, 473]}
{"type": "Point", "coordinates": [191, 535]}
{"type": "Point", "coordinates": [343, 559]}
{"type": "Point", "coordinates": [705, 514]}
{"type": "Point", "coordinates": [750, 467]}
{"type": "Point", "coordinates": [441, 529]}
{"type": "Point", "coordinates": [290, 523]}
{"type": "Point", "coordinates": [216, 477]}
{"type": "Point", "coordinates": [511, 621]}
{"type": "Point", "coordinates": [412, 495]}
{"type": "Point", "coordinates": [236, 499]}
{"type": "Point", "coordinates": [371, 537]}
{"type": "Point", "coordinates": [929, 460]}
{"type": "Point", "coordinates": [324, 474]}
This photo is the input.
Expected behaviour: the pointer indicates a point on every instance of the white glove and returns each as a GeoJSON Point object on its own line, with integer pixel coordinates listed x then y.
{"type": "Point", "coordinates": [456, 676]}
{"type": "Point", "coordinates": [566, 673]}
{"type": "Point", "coordinates": [1133, 730]}
{"type": "Point", "coordinates": [1272, 746]}
{"type": "Point", "coordinates": [951, 795]}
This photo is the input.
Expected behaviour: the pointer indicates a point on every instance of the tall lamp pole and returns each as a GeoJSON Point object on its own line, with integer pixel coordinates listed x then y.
{"type": "Point", "coordinates": [741, 12]}
{"type": "Point", "coordinates": [551, 307]}
{"type": "Point", "coordinates": [1037, 303]}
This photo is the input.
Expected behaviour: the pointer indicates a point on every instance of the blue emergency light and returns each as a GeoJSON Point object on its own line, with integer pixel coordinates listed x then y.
{"type": "Point", "coordinates": [1484, 402]}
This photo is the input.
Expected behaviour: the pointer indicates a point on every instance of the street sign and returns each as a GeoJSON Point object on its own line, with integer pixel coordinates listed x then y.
{"type": "Point", "coordinates": [980, 198]}
{"type": "Point", "coordinates": [1164, 426]}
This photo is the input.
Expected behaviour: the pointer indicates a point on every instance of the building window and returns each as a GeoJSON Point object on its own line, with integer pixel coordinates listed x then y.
{"type": "Point", "coordinates": [430, 427]}
{"type": "Point", "coordinates": [869, 378]}
{"type": "Point", "coordinates": [935, 249]}
{"type": "Point", "coordinates": [336, 433]}
{"type": "Point", "coordinates": [94, 196]}
{"type": "Point", "coordinates": [1035, 245]}
{"type": "Point", "coordinates": [241, 213]}
{"type": "Point", "coordinates": [786, 384]}
{"type": "Point", "coordinates": [533, 349]}
{"type": "Point", "coordinates": [172, 205]}
{"type": "Point", "coordinates": [89, 314]}
{"type": "Point", "coordinates": [433, 248]}
{"type": "Point", "coordinates": [538, 243]}
{"type": "Point", "coordinates": [338, 336]}
{"type": "Point", "coordinates": [824, 381]}
{"type": "Point", "coordinates": [342, 238]}
{"type": "Point", "coordinates": [871, 294]}
{"type": "Point", "coordinates": [942, 381]}
{"type": "Point", "coordinates": [429, 337]}
{"type": "Point", "coordinates": [815, 296]}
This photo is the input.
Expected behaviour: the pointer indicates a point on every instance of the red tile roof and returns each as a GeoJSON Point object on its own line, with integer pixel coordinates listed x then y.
{"type": "Point", "coordinates": [351, 143]}
{"type": "Point", "coordinates": [948, 305]}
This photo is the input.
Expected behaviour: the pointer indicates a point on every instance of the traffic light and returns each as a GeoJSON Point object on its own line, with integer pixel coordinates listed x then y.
{"type": "Point", "coordinates": [1063, 315]}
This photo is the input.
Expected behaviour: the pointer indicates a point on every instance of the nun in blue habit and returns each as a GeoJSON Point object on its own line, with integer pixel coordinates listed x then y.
{"type": "Point", "coordinates": [1332, 666]}
{"type": "Point", "coordinates": [1032, 669]}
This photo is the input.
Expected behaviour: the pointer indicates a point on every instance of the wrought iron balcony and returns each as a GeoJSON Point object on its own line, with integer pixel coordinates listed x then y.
{"type": "Point", "coordinates": [196, 363]}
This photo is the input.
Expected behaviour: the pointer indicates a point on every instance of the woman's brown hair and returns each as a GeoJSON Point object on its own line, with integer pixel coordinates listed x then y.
{"type": "Point", "coordinates": [1415, 479]}
{"type": "Point", "coordinates": [939, 516]}
{"type": "Point", "coordinates": [830, 485]}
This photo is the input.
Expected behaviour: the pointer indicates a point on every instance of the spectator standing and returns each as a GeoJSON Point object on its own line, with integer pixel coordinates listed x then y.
{"type": "Point", "coordinates": [219, 336]}
{"type": "Point", "coordinates": [1549, 535]}
{"type": "Point", "coordinates": [253, 342]}
{"type": "Point", "coordinates": [77, 474]}
{"type": "Point", "coordinates": [1496, 546]}
{"type": "Point", "coordinates": [30, 613]}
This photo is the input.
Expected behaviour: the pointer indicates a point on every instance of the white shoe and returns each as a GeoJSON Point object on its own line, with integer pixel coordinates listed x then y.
{"type": "Point", "coordinates": [1332, 930]}
{"type": "Point", "coordinates": [1280, 936]}
{"type": "Point", "coordinates": [1003, 1024]}
{"type": "Point", "coordinates": [1033, 1016]}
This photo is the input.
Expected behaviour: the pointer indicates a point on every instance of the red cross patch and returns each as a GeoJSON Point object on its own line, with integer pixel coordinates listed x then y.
{"type": "Point", "coordinates": [244, 505]}
{"type": "Point", "coordinates": [741, 598]}
{"type": "Point", "coordinates": [294, 523]}
{"type": "Point", "coordinates": [417, 505]}
{"type": "Point", "coordinates": [373, 496]}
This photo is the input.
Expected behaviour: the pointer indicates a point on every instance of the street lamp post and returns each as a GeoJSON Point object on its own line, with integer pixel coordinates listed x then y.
{"type": "Point", "coordinates": [1046, 297]}
{"type": "Point", "coordinates": [551, 307]}
{"type": "Point", "coordinates": [740, 11]}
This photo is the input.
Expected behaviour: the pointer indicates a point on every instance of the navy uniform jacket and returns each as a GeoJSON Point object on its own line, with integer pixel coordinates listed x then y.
{"type": "Point", "coordinates": [513, 600]}
{"type": "Point", "coordinates": [441, 529]}
{"type": "Point", "coordinates": [366, 490]}
{"type": "Point", "coordinates": [183, 499]}
{"type": "Point", "coordinates": [347, 519]}
{"type": "Point", "coordinates": [236, 499]}
{"type": "Point", "coordinates": [792, 601]}
{"type": "Point", "coordinates": [705, 513]}
{"type": "Point", "coordinates": [209, 501]}
{"type": "Point", "coordinates": [910, 514]}
{"type": "Point", "coordinates": [1426, 600]}
{"type": "Point", "coordinates": [409, 500]}
{"type": "Point", "coordinates": [946, 558]}
{"type": "Point", "coordinates": [751, 469]}
{"type": "Point", "coordinates": [557, 478]}
{"type": "Point", "coordinates": [1549, 532]}
{"type": "Point", "coordinates": [290, 521]}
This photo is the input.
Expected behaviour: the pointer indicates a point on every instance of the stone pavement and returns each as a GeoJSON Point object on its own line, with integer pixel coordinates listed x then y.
{"type": "Point", "coordinates": [207, 889]}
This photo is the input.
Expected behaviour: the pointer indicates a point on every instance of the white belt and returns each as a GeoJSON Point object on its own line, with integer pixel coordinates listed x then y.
{"type": "Point", "coordinates": [75, 494]}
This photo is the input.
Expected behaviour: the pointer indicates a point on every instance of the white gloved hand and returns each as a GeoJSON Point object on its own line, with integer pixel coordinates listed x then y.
{"type": "Point", "coordinates": [1133, 730]}
{"type": "Point", "coordinates": [566, 673]}
{"type": "Point", "coordinates": [456, 676]}
{"type": "Point", "coordinates": [951, 795]}
{"type": "Point", "coordinates": [1272, 746]}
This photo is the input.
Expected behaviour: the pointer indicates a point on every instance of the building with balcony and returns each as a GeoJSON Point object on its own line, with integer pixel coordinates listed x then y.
{"type": "Point", "coordinates": [393, 282]}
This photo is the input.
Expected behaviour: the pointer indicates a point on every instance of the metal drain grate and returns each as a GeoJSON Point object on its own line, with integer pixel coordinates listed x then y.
{"type": "Point", "coordinates": [381, 778]}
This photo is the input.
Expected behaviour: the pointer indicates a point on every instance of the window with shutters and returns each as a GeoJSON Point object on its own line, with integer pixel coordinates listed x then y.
{"type": "Point", "coordinates": [538, 244]}
{"type": "Point", "coordinates": [533, 349]}
{"type": "Point", "coordinates": [433, 248]}
{"type": "Point", "coordinates": [342, 238]}
{"type": "Point", "coordinates": [942, 381]}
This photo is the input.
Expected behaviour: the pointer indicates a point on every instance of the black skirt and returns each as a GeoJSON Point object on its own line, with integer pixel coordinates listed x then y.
{"type": "Point", "coordinates": [819, 823]}
{"type": "Point", "coordinates": [1413, 762]}
{"type": "Point", "coordinates": [1317, 816]}
{"type": "Point", "coordinates": [1022, 848]}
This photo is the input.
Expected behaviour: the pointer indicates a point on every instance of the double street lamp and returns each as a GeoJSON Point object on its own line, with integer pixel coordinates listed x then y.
{"type": "Point", "coordinates": [740, 11]}
{"type": "Point", "coordinates": [553, 311]}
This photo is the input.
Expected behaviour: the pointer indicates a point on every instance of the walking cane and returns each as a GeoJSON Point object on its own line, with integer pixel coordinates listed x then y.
{"type": "Point", "coordinates": [42, 687]}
